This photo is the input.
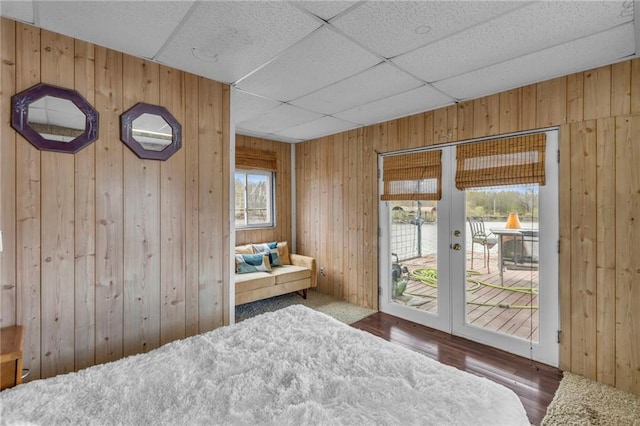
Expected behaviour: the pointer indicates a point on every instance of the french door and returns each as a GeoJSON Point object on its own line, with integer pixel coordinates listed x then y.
{"type": "Point", "coordinates": [501, 289]}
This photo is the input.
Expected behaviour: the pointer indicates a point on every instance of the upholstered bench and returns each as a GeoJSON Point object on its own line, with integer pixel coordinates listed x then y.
{"type": "Point", "coordinates": [285, 273]}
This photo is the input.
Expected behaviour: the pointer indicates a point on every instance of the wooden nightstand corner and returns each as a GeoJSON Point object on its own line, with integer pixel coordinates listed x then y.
{"type": "Point", "coordinates": [11, 339]}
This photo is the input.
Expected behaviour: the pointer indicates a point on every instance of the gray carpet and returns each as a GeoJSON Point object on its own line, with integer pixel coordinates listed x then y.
{"type": "Point", "coordinates": [339, 309]}
{"type": "Point", "coordinates": [581, 401]}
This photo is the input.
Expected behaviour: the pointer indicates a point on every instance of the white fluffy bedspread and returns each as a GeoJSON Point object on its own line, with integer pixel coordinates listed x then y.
{"type": "Point", "coordinates": [295, 366]}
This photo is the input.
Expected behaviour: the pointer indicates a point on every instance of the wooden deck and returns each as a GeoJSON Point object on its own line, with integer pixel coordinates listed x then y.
{"type": "Point", "coordinates": [510, 307]}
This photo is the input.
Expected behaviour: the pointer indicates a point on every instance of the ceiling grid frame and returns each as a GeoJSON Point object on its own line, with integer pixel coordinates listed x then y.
{"type": "Point", "coordinates": [318, 107]}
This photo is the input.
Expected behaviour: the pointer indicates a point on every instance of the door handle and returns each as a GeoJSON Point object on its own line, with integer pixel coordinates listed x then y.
{"type": "Point", "coordinates": [456, 246]}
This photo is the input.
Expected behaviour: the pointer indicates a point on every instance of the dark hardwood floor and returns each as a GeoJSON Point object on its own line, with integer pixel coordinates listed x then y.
{"type": "Point", "coordinates": [533, 382]}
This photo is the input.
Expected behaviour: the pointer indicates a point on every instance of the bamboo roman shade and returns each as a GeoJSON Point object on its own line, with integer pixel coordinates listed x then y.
{"type": "Point", "coordinates": [253, 159]}
{"type": "Point", "coordinates": [511, 161]}
{"type": "Point", "coordinates": [413, 176]}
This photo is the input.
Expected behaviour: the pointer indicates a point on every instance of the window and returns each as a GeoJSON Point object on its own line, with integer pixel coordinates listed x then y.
{"type": "Point", "coordinates": [254, 190]}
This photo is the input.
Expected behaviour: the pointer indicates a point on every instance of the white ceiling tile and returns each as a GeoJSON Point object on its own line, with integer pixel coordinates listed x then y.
{"type": "Point", "coordinates": [225, 40]}
{"type": "Point", "coordinates": [327, 9]}
{"type": "Point", "coordinates": [394, 27]}
{"type": "Point", "coordinates": [375, 83]}
{"type": "Point", "coordinates": [318, 128]}
{"type": "Point", "coordinates": [317, 61]}
{"type": "Point", "coordinates": [522, 31]}
{"type": "Point", "coordinates": [278, 51]}
{"type": "Point", "coordinates": [596, 50]}
{"type": "Point", "coordinates": [269, 136]}
{"type": "Point", "coordinates": [247, 106]}
{"type": "Point", "coordinates": [18, 10]}
{"type": "Point", "coordinates": [139, 28]}
{"type": "Point", "coordinates": [417, 100]}
{"type": "Point", "coordinates": [278, 119]}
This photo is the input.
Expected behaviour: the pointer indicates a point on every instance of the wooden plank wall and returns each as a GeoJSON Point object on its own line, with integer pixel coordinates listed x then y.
{"type": "Point", "coordinates": [105, 254]}
{"type": "Point", "coordinates": [282, 230]}
{"type": "Point", "coordinates": [597, 111]}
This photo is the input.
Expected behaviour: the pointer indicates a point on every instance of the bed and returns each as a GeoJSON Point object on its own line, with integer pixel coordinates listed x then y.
{"type": "Point", "coordinates": [293, 366]}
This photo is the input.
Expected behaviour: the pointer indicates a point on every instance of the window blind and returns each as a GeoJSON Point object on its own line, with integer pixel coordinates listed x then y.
{"type": "Point", "coordinates": [510, 161]}
{"type": "Point", "coordinates": [413, 176]}
{"type": "Point", "coordinates": [253, 159]}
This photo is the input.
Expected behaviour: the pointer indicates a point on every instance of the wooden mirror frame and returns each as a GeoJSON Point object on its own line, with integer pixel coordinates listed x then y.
{"type": "Point", "coordinates": [126, 131]}
{"type": "Point", "coordinates": [20, 118]}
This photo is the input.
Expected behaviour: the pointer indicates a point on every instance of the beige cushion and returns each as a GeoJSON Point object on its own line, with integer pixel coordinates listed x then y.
{"type": "Point", "coordinates": [283, 252]}
{"type": "Point", "coordinates": [245, 249]}
{"type": "Point", "coordinates": [287, 273]}
{"type": "Point", "coordinates": [254, 280]}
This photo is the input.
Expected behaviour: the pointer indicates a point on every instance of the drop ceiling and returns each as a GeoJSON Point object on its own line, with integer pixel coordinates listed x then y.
{"type": "Point", "coordinates": [305, 69]}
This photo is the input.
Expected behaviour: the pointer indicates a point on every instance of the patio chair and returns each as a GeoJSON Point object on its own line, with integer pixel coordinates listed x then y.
{"type": "Point", "coordinates": [480, 236]}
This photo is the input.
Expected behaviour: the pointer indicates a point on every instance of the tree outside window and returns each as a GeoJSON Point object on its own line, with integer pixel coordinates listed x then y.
{"type": "Point", "coordinates": [254, 196]}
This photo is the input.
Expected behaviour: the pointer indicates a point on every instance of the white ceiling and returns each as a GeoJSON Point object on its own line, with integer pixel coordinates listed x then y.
{"type": "Point", "coordinates": [305, 69]}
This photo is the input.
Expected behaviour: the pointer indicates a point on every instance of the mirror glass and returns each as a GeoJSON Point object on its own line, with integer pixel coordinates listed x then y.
{"type": "Point", "coordinates": [152, 132]}
{"type": "Point", "coordinates": [53, 118]}
{"type": "Point", "coordinates": [56, 119]}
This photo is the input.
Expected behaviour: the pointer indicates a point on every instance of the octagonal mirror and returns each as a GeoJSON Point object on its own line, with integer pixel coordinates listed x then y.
{"type": "Point", "coordinates": [150, 131]}
{"type": "Point", "coordinates": [53, 118]}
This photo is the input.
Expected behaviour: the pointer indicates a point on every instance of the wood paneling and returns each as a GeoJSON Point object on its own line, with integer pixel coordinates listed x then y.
{"type": "Point", "coordinates": [510, 110]}
{"type": "Point", "coordinates": [583, 248]}
{"type": "Point", "coordinates": [605, 251]}
{"type": "Point", "coordinates": [228, 262]}
{"type": "Point", "coordinates": [528, 115]}
{"type": "Point", "coordinates": [107, 254]}
{"type": "Point", "coordinates": [486, 116]}
{"type": "Point", "coordinates": [109, 210]}
{"type": "Point", "coordinates": [575, 97]}
{"type": "Point", "coordinates": [343, 232]}
{"type": "Point", "coordinates": [28, 212]}
{"type": "Point", "coordinates": [85, 219]}
{"type": "Point", "coordinates": [635, 86]}
{"type": "Point", "coordinates": [597, 93]}
{"type": "Point", "coordinates": [465, 119]}
{"type": "Point", "coordinates": [192, 190]}
{"type": "Point", "coordinates": [211, 185]}
{"type": "Point", "coordinates": [597, 194]}
{"type": "Point", "coordinates": [282, 229]}
{"type": "Point", "coordinates": [621, 88]}
{"type": "Point", "coordinates": [551, 106]}
{"type": "Point", "coordinates": [57, 226]}
{"type": "Point", "coordinates": [172, 232]}
{"type": "Point", "coordinates": [627, 290]}
{"type": "Point", "coordinates": [445, 125]}
{"type": "Point", "coordinates": [7, 174]}
{"type": "Point", "coordinates": [141, 221]}
{"type": "Point", "coordinates": [334, 278]}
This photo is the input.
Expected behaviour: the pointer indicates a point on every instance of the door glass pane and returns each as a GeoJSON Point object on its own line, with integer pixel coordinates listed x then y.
{"type": "Point", "coordinates": [414, 254]}
{"type": "Point", "coordinates": [502, 252]}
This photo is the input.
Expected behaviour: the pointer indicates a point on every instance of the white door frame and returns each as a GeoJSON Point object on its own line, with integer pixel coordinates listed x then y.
{"type": "Point", "coordinates": [451, 316]}
{"type": "Point", "coordinates": [441, 320]}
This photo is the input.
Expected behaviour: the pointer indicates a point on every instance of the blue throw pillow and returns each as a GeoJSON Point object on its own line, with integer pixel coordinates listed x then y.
{"type": "Point", "coordinates": [247, 263]}
{"type": "Point", "coordinates": [271, 249]}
